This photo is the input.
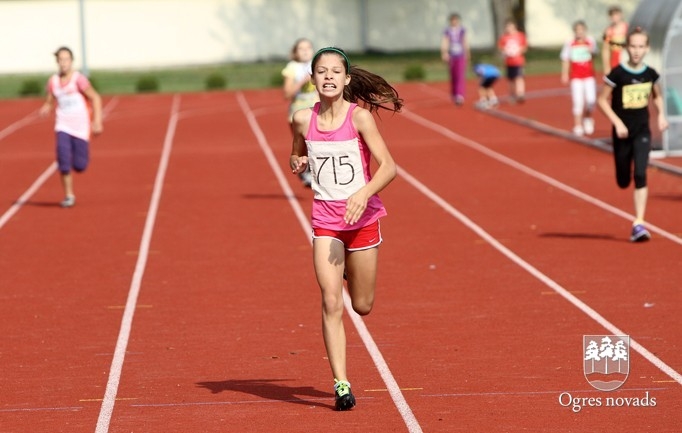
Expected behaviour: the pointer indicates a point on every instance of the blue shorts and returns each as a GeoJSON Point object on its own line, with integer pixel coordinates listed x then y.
{"type": "Point", "coordinates": [73, 153]}
{"type": "Point", "coordinates": [353, 240]}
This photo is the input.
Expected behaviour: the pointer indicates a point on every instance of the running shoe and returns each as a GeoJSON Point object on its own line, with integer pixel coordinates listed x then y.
{"type": "Point", "coordinates": [639, 233]}
{"type": "Point", "coordinates": [578, 130]}
{"type": "Point", "coordinates": [588, 125]}
{"type": "Point", "coordinates": [344, 397]}
{"type": "Point", "coordinates": [69, 201]}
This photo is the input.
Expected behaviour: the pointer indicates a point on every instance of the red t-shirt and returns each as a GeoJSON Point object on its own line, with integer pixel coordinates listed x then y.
{"type": "Point", "coordinates": [512, 46]}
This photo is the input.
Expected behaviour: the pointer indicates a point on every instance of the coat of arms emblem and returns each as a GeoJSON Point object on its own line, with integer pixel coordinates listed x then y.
{"type": "Point", "coordinates": [606, 360]}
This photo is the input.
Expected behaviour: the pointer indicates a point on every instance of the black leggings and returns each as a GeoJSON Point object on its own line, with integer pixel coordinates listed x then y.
{"type": "Point", "coordinates": [627, 150]}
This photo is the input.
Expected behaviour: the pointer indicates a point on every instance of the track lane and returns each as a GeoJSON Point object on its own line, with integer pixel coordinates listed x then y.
{"type": "Point", "coordinates": [64, 276]}
{"type": "Point", "coordinates": [232, 335]}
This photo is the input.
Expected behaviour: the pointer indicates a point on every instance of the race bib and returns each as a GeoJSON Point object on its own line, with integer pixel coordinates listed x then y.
{"type": "Point", "coordinates": [636, 95]}
{"type": "Point", "coordinates": [71, 103]}
{"type": "Point", "coordinates": [581, 54]}
{"type": "Point", "coordinates": [512, 48]}
{"type": "Point", "coordinates": [336, 168]}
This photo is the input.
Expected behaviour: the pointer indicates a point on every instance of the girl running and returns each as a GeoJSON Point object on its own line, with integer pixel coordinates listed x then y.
{"type": "Point", "coordinates": [336, 139]}
{"type": "Point", "coordinates": [630, 86]}
{"type": "Point", "coordinates": [297, 87]}
{"type": "Point", "coordinates": [71, 91]}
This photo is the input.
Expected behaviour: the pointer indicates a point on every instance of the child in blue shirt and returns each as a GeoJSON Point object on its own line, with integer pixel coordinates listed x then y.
{"type": "Point", "coordinates": [488, 75]}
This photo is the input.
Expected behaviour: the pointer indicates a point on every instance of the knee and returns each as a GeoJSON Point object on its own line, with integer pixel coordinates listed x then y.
{"type": "Point", "coordinates": [363, 306]}
{"type": "Point", "coordinates": [623, 180]}
{"type": "Point", "coordinates": [622, 183]}
{"type": "Point", "coordinates": [80, 166]}
{"type": "Point", "coordinates": [640, 181]}
{"type": "Point", "coordinates": [332, 304]}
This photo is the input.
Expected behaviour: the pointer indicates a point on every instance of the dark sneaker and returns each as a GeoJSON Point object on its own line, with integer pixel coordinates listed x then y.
{"type": "Point", "coordinates": [69, 201]}
{"type": "Point", "coordinates": [344, 398]}
{"type": "Point", "coordinates": [639, 233]}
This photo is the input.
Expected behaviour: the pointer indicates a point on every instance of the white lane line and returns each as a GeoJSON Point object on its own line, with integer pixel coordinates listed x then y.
{"type": "Point", "coordinates": [109, 399]}
{"type": "Point", "coordinates": [379, 361]}
{"type": "Point", "coordinates": [515, 258]}
{"type": "Point", "coordinates": [26, 196]}
{"type": "Point", "coordinates": [534, 173]}
{"type": "Point", "coordinates": [18, 124]}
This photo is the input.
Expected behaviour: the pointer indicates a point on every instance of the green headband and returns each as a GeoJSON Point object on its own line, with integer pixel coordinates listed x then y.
{"type": "Point", "coordinates": [333, 50]}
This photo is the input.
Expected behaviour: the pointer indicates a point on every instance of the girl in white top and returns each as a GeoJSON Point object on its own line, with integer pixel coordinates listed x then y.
{"type": "Point", "coordinates": [298, 88]}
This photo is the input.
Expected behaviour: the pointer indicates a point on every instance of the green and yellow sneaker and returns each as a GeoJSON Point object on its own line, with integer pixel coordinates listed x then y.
{"type": "Point", "coordinates": [344, 397]}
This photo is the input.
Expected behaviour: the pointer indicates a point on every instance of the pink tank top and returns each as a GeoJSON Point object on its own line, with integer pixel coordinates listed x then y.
{"type": "Point", "coordinates": [339, 162]}
{"type": "Point", "coordinates": [73, 114]}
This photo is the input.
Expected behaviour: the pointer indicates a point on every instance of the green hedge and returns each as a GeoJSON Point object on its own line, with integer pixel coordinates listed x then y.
{"type": "Point", "coordinates": [147, 84]}
{"type": "Point", "coordinates": [414, 73]}
{"type": "Point", "coordinates": [215, 80]}
{"type": "Point", "coordinates": [31, 88]}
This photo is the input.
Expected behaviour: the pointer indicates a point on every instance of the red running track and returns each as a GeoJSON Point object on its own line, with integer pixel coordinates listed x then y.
{"type": "Point", "coordinates": [178, 295]}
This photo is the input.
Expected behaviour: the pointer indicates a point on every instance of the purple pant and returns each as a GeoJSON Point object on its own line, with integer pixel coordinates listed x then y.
{"type": "Point", "coordinates": [72, 153]}
{"type": "Point", "coordinates": [458, 66]}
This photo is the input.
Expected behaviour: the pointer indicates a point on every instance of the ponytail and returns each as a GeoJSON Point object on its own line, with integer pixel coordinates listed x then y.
{"type": "Point", "coordinates": [373, 90]}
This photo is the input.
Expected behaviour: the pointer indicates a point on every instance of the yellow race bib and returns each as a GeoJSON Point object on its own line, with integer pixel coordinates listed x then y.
{"type": "Point", "coordinates": [636, 95]}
